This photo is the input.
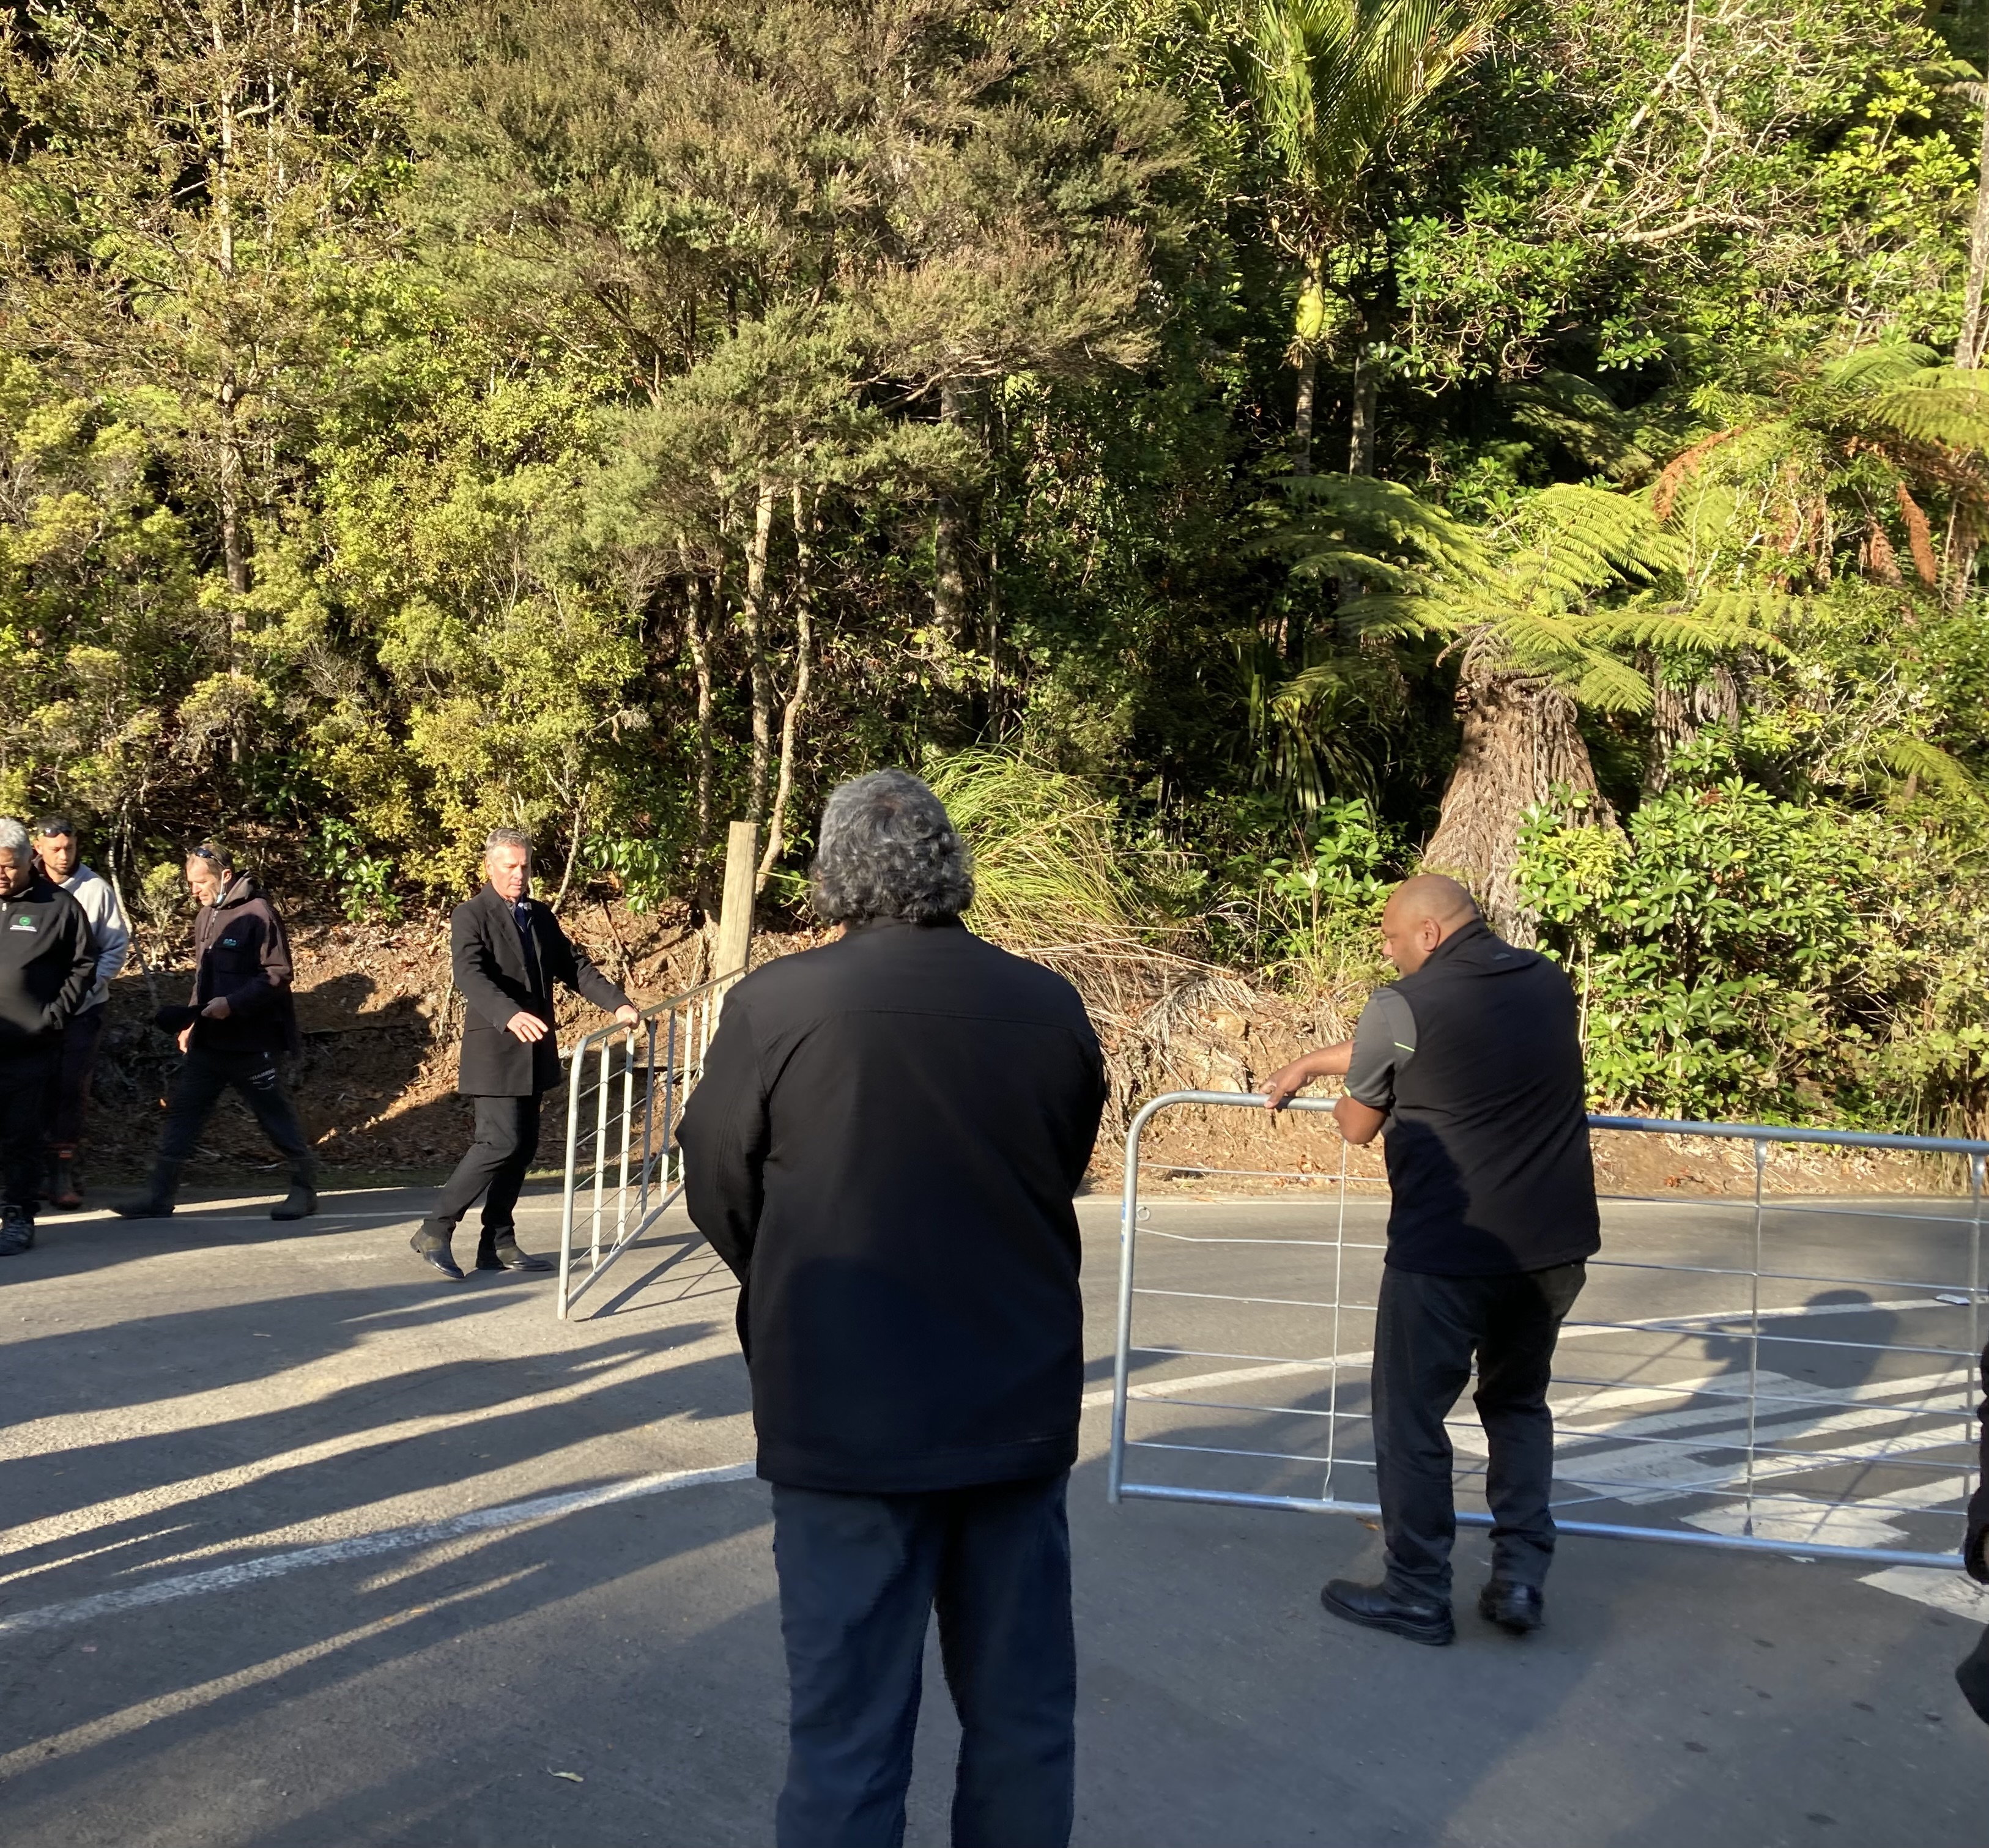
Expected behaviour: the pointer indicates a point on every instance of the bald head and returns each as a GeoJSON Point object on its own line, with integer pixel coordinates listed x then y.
{"type": "Point", "coordinates": [1421, 913]}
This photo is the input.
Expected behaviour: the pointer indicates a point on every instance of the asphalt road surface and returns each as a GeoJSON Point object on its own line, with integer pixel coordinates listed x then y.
{"type": "Point", "coordinates": [301, 1547]}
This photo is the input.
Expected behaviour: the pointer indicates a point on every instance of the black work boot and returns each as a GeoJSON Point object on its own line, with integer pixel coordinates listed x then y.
{"type": "Point", "coordinates": [65, 1195]}
{"type": "Point", "coordinates": [156, 1201]}
{"type": "Point", "coordinates": [1377, 1608]}
{"type": "Point", "coordinates": [301, 1201]}
{"type": "Point", "coordinates": [430, 1244]}
{"type": "Point", "coordinates": [17, 1231]}
{"type": "Point", "coordinates": [1514, 1607]}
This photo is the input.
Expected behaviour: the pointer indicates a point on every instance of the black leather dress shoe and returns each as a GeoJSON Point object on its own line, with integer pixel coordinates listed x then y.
{"type": "Point", "coordinates": [433, 1250]}
{"type": "Point", "coordinates": [1518, 1608]}
{"type": "Point", "coordinates": [1377, 1608]}
{"type": "Point", "coordinates": [506, 1256]}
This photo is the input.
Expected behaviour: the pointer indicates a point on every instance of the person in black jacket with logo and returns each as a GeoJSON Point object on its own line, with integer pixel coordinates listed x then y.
{"type": "Point", "coordinates": [1471, 1065]}
{"type": "Point", "coordinates": [883, 1147]}
{"type": "Point", "coordinates": [506, 951]}
{"type": "Point", "coordinates": [48, 965]}
{"type": "Point", "coordinates": [242, 1020]}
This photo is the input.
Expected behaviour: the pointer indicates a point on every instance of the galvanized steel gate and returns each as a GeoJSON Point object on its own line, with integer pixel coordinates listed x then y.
{"type": "Point", "coordinates": [1763, 1435]}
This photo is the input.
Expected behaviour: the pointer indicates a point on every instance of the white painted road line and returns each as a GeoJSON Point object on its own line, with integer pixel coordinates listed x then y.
{"type": "Point", "coordinates": [127, 1720]}
{"type": "Point", "coordinates": [362, 1546]}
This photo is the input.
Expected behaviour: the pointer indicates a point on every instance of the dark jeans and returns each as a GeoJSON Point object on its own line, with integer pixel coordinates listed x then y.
{"type": "Point", "coordinates": [255, 1079]}
{"type": "Point", "coordinates": [23, 1078]}
{"type": "Point", "coordinates": [67, 1094]}
{"type": "Point", "coordinates": [508, 1138]}
{"type": "Point", "coordinates": [859, 1575]}
{"type": "Point", "coordinates": [1426, 1330]}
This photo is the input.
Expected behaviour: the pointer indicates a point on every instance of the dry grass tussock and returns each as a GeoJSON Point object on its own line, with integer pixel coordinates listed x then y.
{"type": "Point", "coordinates": [1054, 882]}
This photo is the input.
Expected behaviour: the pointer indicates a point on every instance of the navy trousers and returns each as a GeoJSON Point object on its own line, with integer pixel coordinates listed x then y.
{"type": "Point", "coordinates": [859, 1576]}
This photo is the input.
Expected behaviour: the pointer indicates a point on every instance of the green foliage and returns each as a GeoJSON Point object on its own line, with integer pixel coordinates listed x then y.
{"type": "Point", "coordinates": [613, 417]}
{"type": "Point", "coordinates": [1738, 956]}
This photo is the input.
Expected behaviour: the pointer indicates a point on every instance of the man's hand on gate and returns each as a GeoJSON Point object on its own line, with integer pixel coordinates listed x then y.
{"type": "Point", "coordinates": [626, 1013]}
{"type": "Point", "coordinates": [1328, 1061]}
{"type": "Point", "coordinates": [527, 1027]}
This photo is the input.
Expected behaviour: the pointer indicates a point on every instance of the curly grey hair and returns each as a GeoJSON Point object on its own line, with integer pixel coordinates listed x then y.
{"type": "Point", "coordinates": [14, 839]}
{"type": "Point", "coordinates": [888, 849]}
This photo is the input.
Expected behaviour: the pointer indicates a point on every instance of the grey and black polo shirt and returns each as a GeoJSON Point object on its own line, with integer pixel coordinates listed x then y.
{"type": "Point", "coordinates": [1476, 1061]}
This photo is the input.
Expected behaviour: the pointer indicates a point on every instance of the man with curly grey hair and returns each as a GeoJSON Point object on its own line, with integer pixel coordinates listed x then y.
{"type": "Point", "coordinates": [883, 1147]}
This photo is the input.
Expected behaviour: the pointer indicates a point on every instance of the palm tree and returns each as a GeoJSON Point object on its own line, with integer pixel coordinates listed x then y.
{"type": "Point", "coordinates": [1332, 81]}
{"type": "Point", "coordinates": [1550, 611]}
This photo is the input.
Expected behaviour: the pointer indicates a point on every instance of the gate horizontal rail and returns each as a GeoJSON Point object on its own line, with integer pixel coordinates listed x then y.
{"type": "Point", "coordinates": [1727, 1434]}
{"type": "Point", "coordinates": [637, 1167]}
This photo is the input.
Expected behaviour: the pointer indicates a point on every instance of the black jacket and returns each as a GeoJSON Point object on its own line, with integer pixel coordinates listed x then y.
{"type": "Point", "coordinates": [1487, 1142]}
{"type": "Point", "coordinates": [883, 1147]}
{"type": "Point", "coordinates": [46, 947]}
{"type": "Point", "coordinates": [1975, 1548]}
{"type": "Point", "coordinates": [241, 952]}
{"type": "Point", "coordinates": [487, 958]}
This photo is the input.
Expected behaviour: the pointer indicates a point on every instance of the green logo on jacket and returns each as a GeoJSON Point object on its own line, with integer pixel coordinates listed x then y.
{"type": "Point", "coordinates": [22, 920]}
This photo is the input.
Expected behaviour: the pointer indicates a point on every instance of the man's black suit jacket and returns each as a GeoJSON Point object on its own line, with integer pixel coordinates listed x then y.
{"type": "Point", "coordinates": [488, 961]}
{"type": "Point", "coordinates": [883, 1146]}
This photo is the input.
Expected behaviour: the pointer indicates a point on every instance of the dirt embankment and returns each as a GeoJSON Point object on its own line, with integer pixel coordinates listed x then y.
{"type": "Point", "coordinates": [376, 1084]}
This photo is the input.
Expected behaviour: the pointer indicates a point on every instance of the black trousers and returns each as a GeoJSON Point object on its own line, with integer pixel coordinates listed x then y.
{"type": "Point", "coordinates": [23, 1076]}
{"type": "Point", "coordinates": [67, 1095]}
{"type": "Point", "coordinates": [859, 1576]}
{"type": "Point", "coordinates": [494, 1168]}
{"type": "Point", "coordinates": [1426, 1330]}
{"type": "Point", "coordinates": [255, 1078]}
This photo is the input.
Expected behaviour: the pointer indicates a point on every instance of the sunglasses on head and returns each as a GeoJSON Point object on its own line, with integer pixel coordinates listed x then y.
{"type": "Point", "coordinates": [213, 855]}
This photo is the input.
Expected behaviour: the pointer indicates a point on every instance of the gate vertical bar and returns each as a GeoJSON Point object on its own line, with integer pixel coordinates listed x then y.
{"type": "Point", "coordinates": [649, 1113]}
{"type": "Point", "coordinates": [1754, 1333]}
{"type": "Point", "coordinates": [1975, 1167]}
{"type": "Point", "coordinates": [599, 1148]}
{"type": "Point", "coordinates": [1129, 1206]}
{"type": "Point", "coordinates": [670, 1104]}
{"type": "Point", "coordinates": [566, 1193]}
{"type": "Point", "coordinates": [628, 1109]}
{"type": "Point", "coordinates": [1339, 1289]}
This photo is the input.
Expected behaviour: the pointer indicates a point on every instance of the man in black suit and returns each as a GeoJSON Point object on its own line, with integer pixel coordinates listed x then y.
{"type": "Point", "coordinates": [505, 950]}
{"type": "Point", "coordinates": [883, 1147]}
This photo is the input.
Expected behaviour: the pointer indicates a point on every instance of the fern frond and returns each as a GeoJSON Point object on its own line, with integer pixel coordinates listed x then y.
{"type": "Point", "coordinates": [1888, 363]}
{"type": "Point", "coordinates": [1906, 756]}
{"type": "Point", "coordinates": [1941, 407]}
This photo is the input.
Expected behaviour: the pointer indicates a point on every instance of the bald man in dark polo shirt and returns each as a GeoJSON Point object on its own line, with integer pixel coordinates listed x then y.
{"type": "Point", "coordinates": [1470, 1066]}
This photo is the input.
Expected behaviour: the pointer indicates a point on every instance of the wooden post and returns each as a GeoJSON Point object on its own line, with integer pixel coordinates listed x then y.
{"type": "Point", "coordinates": [735, 915]}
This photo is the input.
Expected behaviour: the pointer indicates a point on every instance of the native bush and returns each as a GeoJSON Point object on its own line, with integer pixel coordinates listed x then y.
{"type": "Point", "coordinates": [1740, 956]}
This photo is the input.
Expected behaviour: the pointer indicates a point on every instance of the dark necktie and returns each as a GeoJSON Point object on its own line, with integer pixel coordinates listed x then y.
{"type": "Point", "coordinates": [522, 912]}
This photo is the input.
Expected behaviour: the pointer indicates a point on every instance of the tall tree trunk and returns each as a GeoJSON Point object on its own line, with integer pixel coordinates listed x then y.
{"type": "Point", "coordinates": [1301, 416]}
{"type": "Point", "coordinates": [950, 539]}
{"type": "Point", "coordinates": [1520, 744]}
{"type": "Point", "coordinates": [1309, 328]}
{"type": "Point", "coordinates": [1974, 334]}
{"type": "Point", "coordinates": [797, 705]}
{"type": "Point", "coordinates": [1679, 715]}
{"type": "Point", "coordinates": [753, 619]}
{"type": "Point", "coordinates": [1366, 384]}
{"type": "Point", "coordinates": [699, 631]}
{"type": "Point", "coordinates": [1958, 559]}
